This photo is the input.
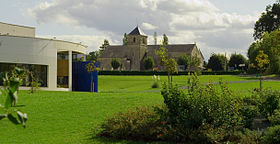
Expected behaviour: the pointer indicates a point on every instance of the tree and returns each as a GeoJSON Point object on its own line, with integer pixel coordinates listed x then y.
{"type": "Point", "coordinates": [91, 67]}
{"type": "Point", "coordinates": [235, 60]}
{"type": "Point", "coordinates": [217, 62]}
{"type": "Point", "coordinates": [195, 61]}
{"type": "Point", "coordinates": [184, 60]}
{"type": "Point", "coordinates": [125, 39]}
{"type": "Point", "coordinates": [270, 44]}
{"type": "Point", "coordinates": [165, 40]}
{"type": "Point", "coordinates": [148, 62]}
{"type": "Point", "coordinates": [104, 45]}
{"type": "Point", "coordinates": [261, 64]}
{"type": "Point", "coordinates": [169, 63]}
{"type": "Point", "coordinates": [93, 56]}
{"type": "Point", "coordinates": [115, 63]}
{"type": "Point", "coordinates": [155, 38]}
{"type": "Point", "coordinates": [269, 21]}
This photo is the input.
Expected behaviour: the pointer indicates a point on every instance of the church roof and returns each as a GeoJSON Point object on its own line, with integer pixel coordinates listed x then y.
{"type": "Point", "coordinates": [186, 48]}
{"type": "Point", "coordinates": [137, 31]}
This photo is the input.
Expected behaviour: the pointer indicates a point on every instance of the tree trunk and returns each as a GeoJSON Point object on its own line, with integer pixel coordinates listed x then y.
{"type": "Point", "coordinates": [91, 83]}
{"type": "Point", "coordinates": [261, 87]}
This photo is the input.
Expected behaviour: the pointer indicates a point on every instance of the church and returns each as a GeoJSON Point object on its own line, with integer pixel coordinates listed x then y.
{"type": "Point", "coordinates": [137, 48]}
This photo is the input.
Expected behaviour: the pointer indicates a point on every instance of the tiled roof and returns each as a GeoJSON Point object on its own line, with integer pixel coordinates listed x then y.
{"type": "Point", "coordinates": [137, 31]}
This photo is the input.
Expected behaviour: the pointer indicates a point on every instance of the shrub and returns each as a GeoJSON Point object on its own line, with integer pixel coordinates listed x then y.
{"type": "Point", "coordinates": [200, 106]}
{"type": "Point", "coordinates": [140, 124]}
{"type": "Point", "coordinates": [246, 137]}
{"type": "Point", "coordinates": [275, 118]}
{"type": "Point", "coordinates": [272, 135]}
{"type": "Point", "coordinates": [148, 62]}
{"type": "Point", "coordinates": [116, 63]}
{"type": "Point", "coordinates": [249, 110]}
{"type": "Point", "coordinates": [269, 101]}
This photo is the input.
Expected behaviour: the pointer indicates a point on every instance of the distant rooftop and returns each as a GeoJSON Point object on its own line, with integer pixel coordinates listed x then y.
{"type": "Point", "coordinates": [137, 31]}
{"type": "Point", "coordinates": [17, 25]}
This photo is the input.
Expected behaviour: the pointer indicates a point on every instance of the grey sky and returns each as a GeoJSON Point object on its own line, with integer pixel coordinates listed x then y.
{"type": "Point", "coordinates": [215, 25]}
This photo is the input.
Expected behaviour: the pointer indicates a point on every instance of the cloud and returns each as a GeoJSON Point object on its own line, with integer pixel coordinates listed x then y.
{"type": "Point", "coordinates": [184, 21]}
{"type": "Point", "coordinates": [148, 26]}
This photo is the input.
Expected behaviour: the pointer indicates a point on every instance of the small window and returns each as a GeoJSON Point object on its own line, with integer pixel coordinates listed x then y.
{"type": "Point", "coordinates": [143, 40]}
{"type": "Point", "coordinates": [134, 39]}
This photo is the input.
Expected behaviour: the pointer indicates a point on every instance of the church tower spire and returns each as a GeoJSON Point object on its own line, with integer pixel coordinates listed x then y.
{"type": "Point", "coordinates": [137, 37]}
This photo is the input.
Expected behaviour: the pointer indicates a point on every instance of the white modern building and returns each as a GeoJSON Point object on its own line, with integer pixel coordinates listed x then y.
{"type": "Point", "coordinates": [50, 59]}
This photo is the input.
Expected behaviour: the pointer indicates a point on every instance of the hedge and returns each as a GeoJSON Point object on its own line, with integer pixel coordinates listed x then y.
{"type": "Point", "coordinates": [165, 73]}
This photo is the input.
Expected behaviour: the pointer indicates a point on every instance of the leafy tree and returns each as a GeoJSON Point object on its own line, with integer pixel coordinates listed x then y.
{"type": "Point", "coordinates": [269, 21]}
{"type": "Point", "coordinates": [184, 60]}
{"type": "Point", "coordinates": [115, 63]}
{"type": "Point", "coordinates": [104, 45]}
{"type": "Point", "coordinates": [262, 63]}
{"type": "Point", "coordinates": [195, 61]}
{"type": "Point", "coordinates": [270, 44]}
{"type": "Point", "coordinates": [11, 83]}
{"type": "Point", "coordinates": [148, 62]}
{"type": "Point", "coordinates": [125, 39]}
{"type": "Point", "coordinates": [91, 67]}
{"type": "Point", "coordinates": [169, 63]}
{"type": "Point", "coordinates": [235, 60]}
{"type": "Point", "coordinates": [165, 40]}
{"type": "Point", "coordinates": [217, 62]}
{"type": "Point", "coordinates": [93, 56]}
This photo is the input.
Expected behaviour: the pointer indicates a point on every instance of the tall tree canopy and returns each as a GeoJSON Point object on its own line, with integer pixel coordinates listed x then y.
{"type": "Point", "coordinates": [165, 40]}
{"type": "Point", "coordinates": [269, 21]}
{"type": "Point", "coordinates": [125, 39]}
{"type": "Point", "coordinates": [217, 62]}
{"type": "Point", "coordinates": [93, 56]}
{"type": "Point", "coordinates": [235, 60]}
{"type": "Point", "coordinates": [104, 45]}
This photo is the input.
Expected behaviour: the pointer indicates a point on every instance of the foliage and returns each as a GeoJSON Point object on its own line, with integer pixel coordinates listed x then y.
{"type": "Point", "coordinates": [165, 40]}
{"type": "Point", "coordinates": [246, 137]}
{"type": "Point", "coordinates": [270, 45]}
{"type": "Point", "coordinates": [34, 84]}
{"type": "Point", "coordinates": [270, 101]}
{"type": "Point", "coordinates": [104, 45]}
{"type": "Point", "coordinates": [200, 108]}
{"type": "Point", "coordinates": [116, 63]}
{"type": "Point", "coordinates": [11, 85]}
{"type": "Point", "coordinates": [268, 22]}
{"type": "Point", "coordinates": [235, 60]}
{"type": "Point", "coordinates": [249, 110]}
{"type": "Point", "coordinates": [140, 124]}
{"type": "Point", "coordinates": [125, 41]}
{"type": "Point", "coordinates": [195, 61]}
{"type": "Point", "coordinates": [184, 60]}
{"type": "Point", "coordinates": [272, 135]}
{"type": "Point", "coordinates": [91, 67]}
{"type": "Point", "coordinates": [275, 118]}
{"type": "Point", "coordinates": [156, 82]}
{"type": "Point", "coordinates": [93, 56]}
{"type": "Point", "coordinates": [169, 63]}
{"type": "Point", "coordinates": [217, 62]}
{"type": "Point", "coordinates": [148, 62]}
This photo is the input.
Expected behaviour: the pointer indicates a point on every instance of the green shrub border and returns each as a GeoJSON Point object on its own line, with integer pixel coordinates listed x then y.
{"type": "Point", "coordinates": [165, 73]}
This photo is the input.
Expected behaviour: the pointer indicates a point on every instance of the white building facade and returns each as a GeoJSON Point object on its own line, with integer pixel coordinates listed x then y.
{"type": "Point", "coordinates": [50, 59]}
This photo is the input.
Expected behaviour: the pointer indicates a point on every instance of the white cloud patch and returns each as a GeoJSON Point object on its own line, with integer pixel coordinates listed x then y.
{"type": "Point", "coordinates": [184, 21]}
{"type": "Point", "coordinates": [147, 26]}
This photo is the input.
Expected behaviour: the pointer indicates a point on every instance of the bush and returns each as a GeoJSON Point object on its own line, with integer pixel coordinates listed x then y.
{"type": "Point", "coordinates": [148, 62]}
{"type": "Point", "coordinates": [140, 124]}
{"type": "Point", "coordinates": [116, 63]}
{"type": "Point", "coordinates": [272, 135]}
{"type": "Point", "coordinates": [249, 110]}
{"type": "Point", "coordinates": [201, 108]}
{"type": "Point", "coordinates": [275, 118]}
{"type": "Point", "coordinates": [156, 82]}
{"type": "Point", "coordinates": [269, 101]}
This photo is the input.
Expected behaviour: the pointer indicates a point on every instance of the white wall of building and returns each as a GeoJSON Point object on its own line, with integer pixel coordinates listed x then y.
{"type": "Point", "coordinates": [24, 50]}
{"type": "Point", "coordinates": [16, 30]}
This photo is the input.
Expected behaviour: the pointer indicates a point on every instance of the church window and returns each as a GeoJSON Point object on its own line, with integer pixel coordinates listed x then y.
{"type": "Point", "coordinates": [143, 40]}
{"type": "Point", "coordinates": [134, 40]}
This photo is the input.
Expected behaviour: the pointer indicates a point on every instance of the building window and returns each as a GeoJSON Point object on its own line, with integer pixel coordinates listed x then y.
{"type": "Point", "coordinates": [134, 40]}
{"type": "Point", "coordinates": [39, 71]}
{"type": "Point", "coordinates": [143, 40]}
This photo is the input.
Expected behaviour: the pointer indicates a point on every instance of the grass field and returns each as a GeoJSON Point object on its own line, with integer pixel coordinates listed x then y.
{"type": "Point", "coordinates": [74, 117]}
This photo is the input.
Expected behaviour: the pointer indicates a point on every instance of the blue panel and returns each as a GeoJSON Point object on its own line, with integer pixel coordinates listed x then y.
{"type": "Point", "coordinates": [81, 79]}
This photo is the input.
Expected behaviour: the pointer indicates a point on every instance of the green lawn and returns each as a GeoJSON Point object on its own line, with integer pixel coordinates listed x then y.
{"type": "Point", "coordinates": [73, 117]}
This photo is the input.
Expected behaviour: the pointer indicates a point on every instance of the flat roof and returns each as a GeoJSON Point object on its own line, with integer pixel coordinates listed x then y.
{"type": "Point", "coordinates": [17, 25]}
